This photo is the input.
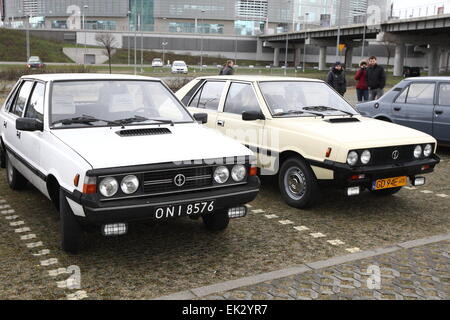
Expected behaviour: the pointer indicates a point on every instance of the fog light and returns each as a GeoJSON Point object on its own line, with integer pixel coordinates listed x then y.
{"type": "Point", "coordinates": [114, 229]}
{"type": "Point", "coordinates": [237, 212]}
{"type": "Point", "coordinates": [353, 191]}
{"type": "Point", "coordinates": [418, 181]}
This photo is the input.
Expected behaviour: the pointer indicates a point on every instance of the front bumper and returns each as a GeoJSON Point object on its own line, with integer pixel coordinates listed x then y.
{"type": "Point", "coordinates": [343, 172]}
{"type": "Point", "coordinates": [136, 209]}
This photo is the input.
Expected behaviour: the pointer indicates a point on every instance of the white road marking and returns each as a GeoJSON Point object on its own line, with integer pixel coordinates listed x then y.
{"type": "Point", "coordinates": [11, 217]}
{"type": "Point", "coordinates": [16, 223]}
{"type": "Point", "coordinates": [2, 201]}
{"type": "Point", "coordinates": [335, 242]}
{"type": "Point", "coordinates": [353, 250]}
{"type": "Point", "coordinates": [24, 229]}
{"type": "Point", "coordinates": [78, 295]}
{"type": "Point", "coordinates": [426, 191]}
{"type": "Point", "coordinates": [4, 206]}
{"type": "Point", "coordinates": [441, 195]}
{"type": "Point", "coordinates": [28, 236]}
{"type": "Point", "coordinates": [258, 211]}
{"type": "Point", "coordinates": [249, 205]}
{"type": "Point", "coordinates": [57, 272]}
{"type": "Point", "coordinates": [35, 244]}
{"type": "Point", "coordinates": [271, 216]}
{"type": "Point", "coordinates": [41, 252]}
{"type": "Point", "coordinates": [7, 211]}
{"type": "Point", "coordinates": [410, 188]}
{"type": "Point", "coordinates": [285, 222]}
{"type": "Point", "coordinates": [301, 228]}
{"type": "Point", "coordinates": [49, 262]}
{"type": "Point", "coordinates": [317, 235]}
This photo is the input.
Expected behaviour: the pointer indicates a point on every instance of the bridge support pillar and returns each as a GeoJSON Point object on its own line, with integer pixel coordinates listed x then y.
{"type": "Point", "coordinates": [276, 57]}
{"type": "Point", "coordinates": [433, 60]}
{"type": "Point", "coordinates": [322, 58]}
{"type": "Point", "coordinates": [348, 57]}
{"type": "Point", "coordinates": [297, 56]}
{"type": "Point", "coordinates": [399, 59]}
{"type": "Point", "coordinates": [444, 60]}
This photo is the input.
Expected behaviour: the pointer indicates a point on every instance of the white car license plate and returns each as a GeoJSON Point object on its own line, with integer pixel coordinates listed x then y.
{"type": "Point", "coordinates": [188, 209]}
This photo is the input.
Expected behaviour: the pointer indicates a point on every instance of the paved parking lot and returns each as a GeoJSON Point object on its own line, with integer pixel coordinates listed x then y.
{"type": "Point", "coordinates": [154, 260]}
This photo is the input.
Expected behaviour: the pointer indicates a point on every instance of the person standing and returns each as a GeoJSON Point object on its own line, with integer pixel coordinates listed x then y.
{"type": "Point", "coordinates": [376, 79]}
{"type": "Point", "coordinates": [227, 69]}
{"type": "Point", "coordinates": [362, 90]}
{"type": "Point", "coordinates": [336, 78]}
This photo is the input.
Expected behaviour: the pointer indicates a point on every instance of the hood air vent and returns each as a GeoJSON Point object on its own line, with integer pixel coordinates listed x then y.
{"type": "Point", "coordinates": [339, 120]}
{"type": "Point", "coordinates": [143, 132]}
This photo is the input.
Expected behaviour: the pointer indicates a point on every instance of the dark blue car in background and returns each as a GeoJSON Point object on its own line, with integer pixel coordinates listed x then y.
{"type": "Point", "coordinates": [421, 103]}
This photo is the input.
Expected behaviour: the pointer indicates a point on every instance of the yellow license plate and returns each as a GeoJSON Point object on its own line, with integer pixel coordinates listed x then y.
{"type": "Point", "coordinates": [389, 183]}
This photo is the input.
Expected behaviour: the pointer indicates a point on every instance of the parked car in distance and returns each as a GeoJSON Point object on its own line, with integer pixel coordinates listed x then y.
{"type": "Point", "coordinates": [307, 134]}
{"type": "Point", "coordinates": [421, 103]}
{"type": "Point", "coordinates": [179, 67]}
{"type": "Point", "coordinates": [111, 149]}
{"type": "Point", "coordinates": [34, 62]}
{"type": "Point", "coordinates": [157, 62]}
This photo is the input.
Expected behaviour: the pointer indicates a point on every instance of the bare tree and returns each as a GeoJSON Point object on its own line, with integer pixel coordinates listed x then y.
{"type": "Point", "coordinates": [388, 47]}
{"type": "Point", "coordinates": [108, 42]}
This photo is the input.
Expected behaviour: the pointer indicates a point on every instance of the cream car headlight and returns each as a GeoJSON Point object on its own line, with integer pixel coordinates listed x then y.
{"type": "Point", "coordinates": [352, 158]}
{"type": "Point", "coordinates": [238, 172]}
{"type": "Point", "coordinates": [129, 184]}
{"type": "Point", "coordinates": [108, 186]}
{"type": "Point", "coordinates": [221, 174]}
{"type": "Point", "coordinates": [417, 151]}
{"type": "Point", "coordinates": [427, 150]}
{"type": "Point", "coordinates": [365, 157]}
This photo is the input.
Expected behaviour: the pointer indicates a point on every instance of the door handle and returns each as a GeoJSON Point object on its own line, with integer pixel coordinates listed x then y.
{"type": "Point", "coordinates": [18, 134]}
{"type": "Point", "coordinates": [438, 111]}
{"type": "Point", "coordinates": [397, 108]}
{"type": "Point", "coordinates": [220, 123]}
{"type": "Point", "coordinates": [5, 124]}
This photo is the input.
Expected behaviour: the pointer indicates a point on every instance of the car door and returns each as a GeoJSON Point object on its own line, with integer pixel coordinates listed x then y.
{"type": "Point", "coordinates": [207, 99]}
{"type": "Point", "coordinates": [414, 106]}
{"type": "Point", "coordinates": [441, 119]}
{"type": "Point", "coordinates": [13, 140]}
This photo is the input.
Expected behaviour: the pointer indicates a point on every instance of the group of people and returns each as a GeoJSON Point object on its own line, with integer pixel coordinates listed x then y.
{"type": "Point", "coordinates": [370, 77]}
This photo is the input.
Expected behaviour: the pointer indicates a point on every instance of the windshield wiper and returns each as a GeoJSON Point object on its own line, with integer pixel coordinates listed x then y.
{"type": "Point", "coordinates": [136, 118]}
{"type": "Point", "coordinates": [84, 119]}
{"type": "Point", "coordinates": [325, 108]}
{"type": "Point", "coordinates": [283, 113]}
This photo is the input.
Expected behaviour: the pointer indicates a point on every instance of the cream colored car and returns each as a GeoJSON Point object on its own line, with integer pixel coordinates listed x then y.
{"type": "Point", "coordinates": [307, 134]}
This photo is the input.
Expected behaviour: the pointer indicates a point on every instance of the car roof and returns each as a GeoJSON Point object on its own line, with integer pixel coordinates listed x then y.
{"type": "Point", "coordinates": [441, 78]}
{"type": "Point", "coordinates": [260, 78]}
{"type": "Point", "coordinates": [84, 76]}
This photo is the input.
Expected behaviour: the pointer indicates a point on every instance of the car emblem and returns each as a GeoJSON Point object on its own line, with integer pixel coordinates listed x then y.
{"type": "Point", "coordinates": [395, 154]}
{"type": "Point", "coordinates": [179, 180]}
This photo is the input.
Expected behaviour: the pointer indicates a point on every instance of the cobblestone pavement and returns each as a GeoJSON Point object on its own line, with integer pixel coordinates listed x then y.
{"type": "Point", "coordinates": [416, 273]}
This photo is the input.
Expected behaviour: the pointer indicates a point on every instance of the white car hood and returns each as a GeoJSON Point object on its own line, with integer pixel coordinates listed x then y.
{"type": "Point", "coordinates": [103, 148]}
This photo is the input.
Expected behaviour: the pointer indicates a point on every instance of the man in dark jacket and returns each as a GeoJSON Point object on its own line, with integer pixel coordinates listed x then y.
{"type": "Point", "coordinates": [227, 69]}
{"type": "Point", "coordinates": [336, 78]}
{"type": "Point", "coordinates": [376, 79]}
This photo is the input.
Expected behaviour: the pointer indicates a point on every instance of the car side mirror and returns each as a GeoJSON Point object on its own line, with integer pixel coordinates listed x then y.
{"type": "Point", "coordinates": [252, 115]}
{"type": "Point", "coordinates": [201, 117]}
{"type": "Point", "coordinates": [29, 124]}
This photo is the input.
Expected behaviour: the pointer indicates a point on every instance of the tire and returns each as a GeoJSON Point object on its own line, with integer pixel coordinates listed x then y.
{"type": "Point", "coordinates": [71, 231]}
{"type": "Point", "coordinates": [386, 192]}
{"type": "Point", "coordinates": [216, 221]}
{"type": "Point", "coordinates": [15, 179]}
{"type": "Point", "coordinates": [297, 183]}
{"type": "Point", "coordinates": [2, 156]}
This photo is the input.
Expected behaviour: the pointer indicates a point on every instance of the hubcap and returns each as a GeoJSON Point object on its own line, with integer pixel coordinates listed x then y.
{"type": "Point", "coordinates": [295, 183]}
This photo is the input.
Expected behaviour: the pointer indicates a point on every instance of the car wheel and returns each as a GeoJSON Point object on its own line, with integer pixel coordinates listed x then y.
{"type": "Point", "coordinates": [217, 220]}
{"type": "Point", "coordinates": [71, 231]}
{"type": "Point", "coordinates": [2, 156]}
{"type": "Point", "coordinates": [15, 179]}
{"type": "Point", "coordinates": [386, 192]}
{"type": "Point", "coordinates": [298, 184]}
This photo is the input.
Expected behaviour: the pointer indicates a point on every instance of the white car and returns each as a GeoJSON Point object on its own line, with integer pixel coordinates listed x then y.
{"type": "Point", "coordinates": [109, 149]}
{"type": "Point", "coordinates": [157, 62]}
{"type": "Point", "coordinates": [179, 67]}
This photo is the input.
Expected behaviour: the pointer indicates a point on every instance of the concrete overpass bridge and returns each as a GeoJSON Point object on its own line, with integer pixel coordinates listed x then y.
{"type": "Point", "coordinates": [430, 35]}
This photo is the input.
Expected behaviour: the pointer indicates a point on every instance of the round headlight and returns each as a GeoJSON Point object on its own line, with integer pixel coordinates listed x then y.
{"type": "Point", "coordinates": [221, 174]}
{"type": "Point", "coordinates": [108, 187]}
{"type": "Point", "coordinates": [352, 158]}
{"type": "Point", "coordinates": [365, 156]}
{"type": "Point", "coordinates": [427, 150]}
{"type": "Point", "coordinates": [417, 151]}
{"type": "Point", "coordinates": [129, 184]}
{"type": "Point", "coordinates": [238, 172]}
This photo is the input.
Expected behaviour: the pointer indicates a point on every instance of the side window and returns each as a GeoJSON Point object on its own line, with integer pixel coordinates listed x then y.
{"type": "Point", "coordinates": [19, 103]}
{"type": "Point", "coordinates": [241, 97]}
{"type": "Point", "coordinates": [12, 98]}
{"type": "Point", "coordinates": [444, 94]}
{"type": "Point", "coordinates": [191, 92]}
{"type": "Point", "coordinates": [194, 101]}
{"type": "Point", "coordinates": [421, 93]}
{"type": "Point", "coordinates": [210, 95]}
{"type": "Point", "coordinates": [35, 108]}
{"type": "Point", "coordinates": [402, 97]}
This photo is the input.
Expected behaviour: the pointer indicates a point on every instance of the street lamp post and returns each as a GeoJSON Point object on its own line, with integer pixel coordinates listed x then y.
{"type": "Point", "coordinates": [304, 45]}
{"type": "Point", "coordinates": [85, 7]}
{"type": "Point", "coordinates": [338, 30]}
{"type": "Point", "coordinates": [142, 37]}
{"type": "Point", "coordinates": [287, 43]}
{"type": "Point", "coordinates": [129, 15]}
{"type": "Point", "coordinates": [201, 42]}
{"type": "Point", "coordinates": [164, 44]}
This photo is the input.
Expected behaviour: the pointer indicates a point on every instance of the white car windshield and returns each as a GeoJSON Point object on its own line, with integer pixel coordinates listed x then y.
{"type": "Point", "coordinates": [108, 102]}
{"type": "Point", "coordinates": [179, 64]}
{"type": "Point", "coordinates": [303, 98]}
{"type": "Point", "coordinates": [34, 59]}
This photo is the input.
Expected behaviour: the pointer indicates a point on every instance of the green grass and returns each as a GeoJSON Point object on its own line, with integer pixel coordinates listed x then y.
{"type": "Point", "coordinates": [13, 47]}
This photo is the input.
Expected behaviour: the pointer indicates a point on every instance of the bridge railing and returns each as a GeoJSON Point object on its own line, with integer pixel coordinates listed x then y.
{"type": "Point", "coordinates": [425, 10]}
